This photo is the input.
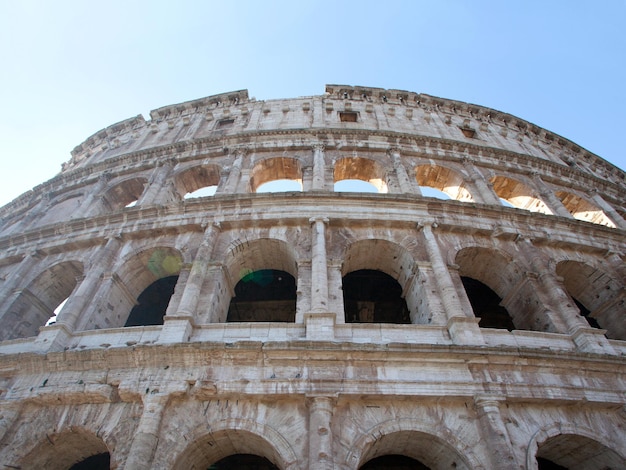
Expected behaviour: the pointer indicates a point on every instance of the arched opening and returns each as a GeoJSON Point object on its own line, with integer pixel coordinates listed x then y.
{"type": "Point", "coordinates": [77, 449]}
{"type": "Point", "coordinates": [394, 462]}
{"type": "Point", "coordinates": [517, 194]}
{"type": "Point", "coordinates": [37, 302]}
{"type": "Point", "coordinates": [264, 273]}
{"type": "Point", "coordinates": [387, 264]}
{"type": "Point", "coordinates": [442, 183]}
{"type": "Point", "coordinates": [582, 209]}
{"type": "Point", "coordinates": [599, 297]}
{"type": "Point", "coordinates": [266, 295]}
{"type": "Point", "coordinates": [421, 448]}
{"type": "Point", "coordinates": [152, 303]}
{"type": "Point", "coordinates": [280, 186]}
{"type": "Point", "coordinates": [275, 169]}
{"type": "Point", "coordinates": [371, 296]}
{"type": "Point", "coordinates": [243, 462]}
{"type": "Point", "coordinates": [229, 448]}
{"type": "Point", "coordinates": [509, 282]}
{"type": "Point", "coordinates": [486, 305]}
{"type": "Point", "coordinates": [124, 194]}
{"type": "Point", "coordinates": [361, 169]}
{"type": "Point", "coordinates": [197, 182]}
{"type": "Point", "coordinates": [573, 451]}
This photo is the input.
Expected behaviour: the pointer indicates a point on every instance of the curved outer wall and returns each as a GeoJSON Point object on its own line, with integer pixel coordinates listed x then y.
{"type": "Point", "coordinates": [319, 391]}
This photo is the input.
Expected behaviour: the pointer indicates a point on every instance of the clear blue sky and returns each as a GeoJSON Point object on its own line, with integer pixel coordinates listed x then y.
{"type": "Point", "coordinates": [71, 68]}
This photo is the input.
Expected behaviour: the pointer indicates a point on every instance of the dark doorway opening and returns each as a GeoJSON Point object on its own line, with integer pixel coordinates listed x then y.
{"type": "Point", "coordinates": [545, 464]}
{"type": "Point", "coordinates": [394, 462]}
{"type": "Point", "coordinates": [586, 313]}
{"type": "Point", "coordinates": [95, 462]}
{"type": "Point", "coordinates": [263, 296]}
{"type": "Point", "coordinates": [243, 462]}
{"type": "Point", "coordinates": [371, 296]}
{"type": "Point", "coordinates": [152, 303]}
{"type": "Point", "coordinates": [486, 305]}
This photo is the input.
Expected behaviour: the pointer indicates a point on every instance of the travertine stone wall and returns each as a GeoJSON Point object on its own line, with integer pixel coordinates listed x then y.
{"type": "Point", "coordinates": [320, 392]}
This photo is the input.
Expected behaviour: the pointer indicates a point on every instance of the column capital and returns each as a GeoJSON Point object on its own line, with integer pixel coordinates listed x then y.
{"type": "Point", "coordinates": [319, 146]}
{"type": "Point", "coordinates": [319, 218]}
{"type": "Point", "coordinates": [422, 224]}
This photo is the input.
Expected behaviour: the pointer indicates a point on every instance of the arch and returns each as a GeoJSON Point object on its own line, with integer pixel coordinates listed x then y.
{"type": "Point", "coordinates": [275, 168]}
{"type": "Point", "coordinates": [395, 261]}
{"type": "Point", "coordinates": [518, 194]}
{"type": "Point", "coordinates": [190, 181]}
{"type": "Point", "coordinates": [433, 446]}
{"type": "Point", "coordinates": [443, 179]}
{"type": "Point", "coordinates": [582, 209]}
{"type": "Point", "coordinates": [236, 436]}
{"type": "Point", "coordinates": [35, 303]}
{"type": "Point", "coordinates": [266, 259]}
{"type": "Point", "coordinates": [66, 449]}
{"type": "Point", "coordinates": [599, 296]}
{"type": "Point", "coordinates": [500, 273]}
{"type": "Point", "coordinates": [364, 169]}
{"type": "Point", "coordinates": [574, 446]}
{"type": "Point", "coordinates": [124, 193]}
{"type": "Point", "coordinates": [263, 253]}
{"type": "Point", "coordinates": [133, 275]}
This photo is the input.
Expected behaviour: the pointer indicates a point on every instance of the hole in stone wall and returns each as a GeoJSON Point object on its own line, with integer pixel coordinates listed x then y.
{"type": "Point", "coordinates": [202, 192]}
{"type": "Point", "coordinates": [432, 192]}
{"type": "Point", "coordinates": [95, 462]}
{"type": "Point", "coordinates": [585, 312]}
{"type": "Point", "coordinates": [243, 462]}
{"type": "Point", "coordinates": [266, 295]}
{"type": "Point", "coordinates": [52, 320]}
{"type": "Point", "coordinates": [280, 186]}
{"type": "Point", "coordinates": [354, 186]}
{"type": "Point", "coordinates": [348, 116]}
{"type": "Point", "coordinates": [152, 303]}
{"type": "Point", "coordinates": [225, 123]}
{"type": "Point", "coordinates": [394, 462]}
{"type": "Point", "coordinates": [467, 132]}
{"type": "Point", "coordinates": [486, 305]}
{"type": "Point", "coordinates": [371, 296]}
{"type": "Point", "coordinates": [545, 464]}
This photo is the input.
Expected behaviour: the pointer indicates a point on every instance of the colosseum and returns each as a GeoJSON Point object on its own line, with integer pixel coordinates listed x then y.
{"type": "Point", "coordinates": [364, 279]}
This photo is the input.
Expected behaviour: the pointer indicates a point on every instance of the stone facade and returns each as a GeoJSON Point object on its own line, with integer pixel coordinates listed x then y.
{"type": "Point", "coordinates": [317, 374]}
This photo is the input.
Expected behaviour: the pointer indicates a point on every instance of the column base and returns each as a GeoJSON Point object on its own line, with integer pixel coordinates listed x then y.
{"type": "Point", "coordinates": [465, 330]}
{"type": "Point", "coordinates": [53, 338]}
{"type": "Point", "coordinates": [176, 329]}
{"type": "Point", "coordinates": [592, 340]}
{"type": "Point", "coordinates": [320, 326]}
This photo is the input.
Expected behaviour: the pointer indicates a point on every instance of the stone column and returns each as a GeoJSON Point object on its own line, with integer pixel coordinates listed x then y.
{"type": "Point", "coordinates": [153, 194]}
{"type": "Point", "coordinates": [463, 328]}
{"type": "Point", "coordinates": [84, 293]}
{"type": "Point", "coordinates": [177, 326]}
{"type": "Point", "coordinates": [549, 198]}
{"type": "Point", "coordinates": [494, 432]}
{"type": "Point", "coordinates": [319, 168]}
{"type": "Point", "coordinates": [553, 294]}
{"type": "Point", "coordinates": [146, 437]}
{"type": "Point", "coordinates": [608, 210]}
{"type": "Point", "coordinates": [17, 279]}
{"type": "Point", "coordinates": [485, 190]}
{"type": "Point", "coordinates": [319, 266]}
{"type": "Point", "coordinates": [234, 174]}
{"type": "Point", "coordinates": [407, 185]}
{"type": "Point", "coordinates": [87, 206]}
{"type": "Point", "coordinates": [55, 336]}
{"type": "Point", "coordinates": [319, 322]}
{"type": "Point", "coordinates": [320, 432]}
